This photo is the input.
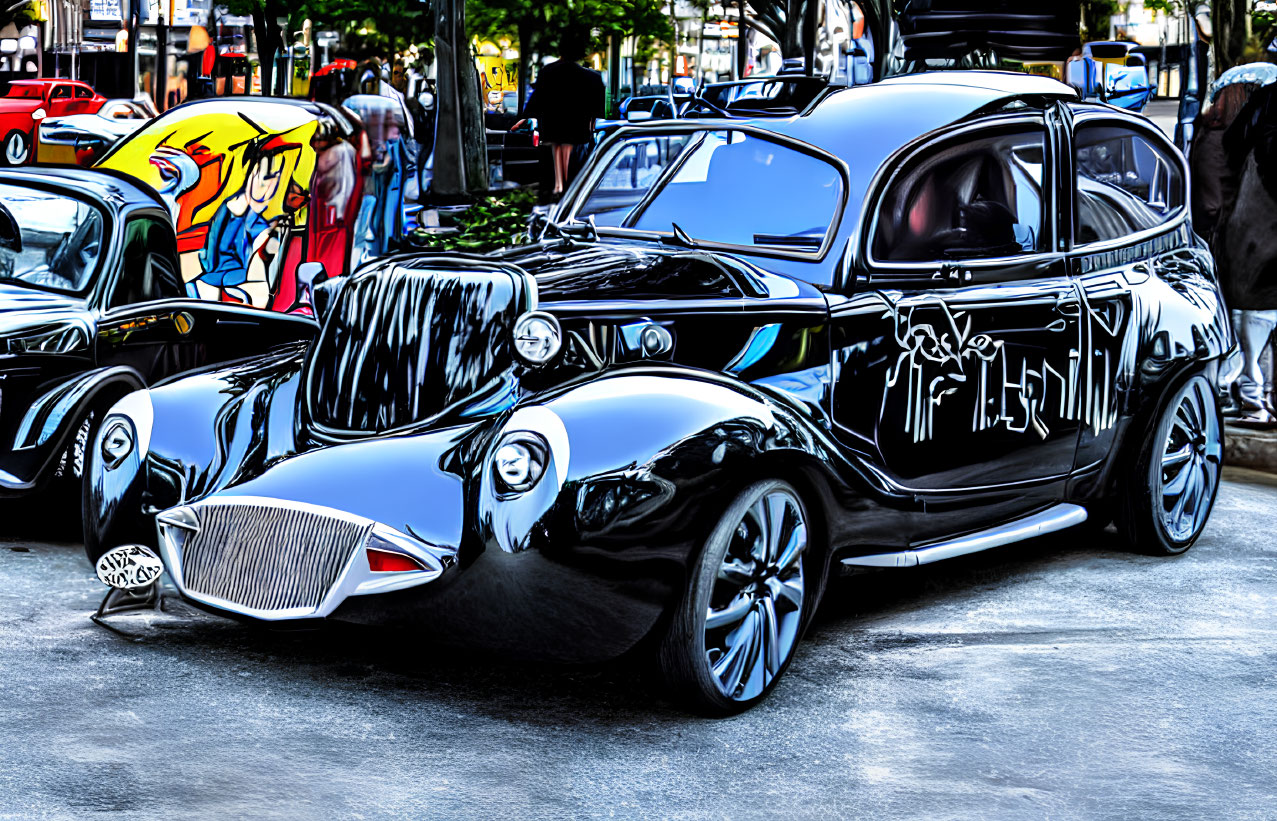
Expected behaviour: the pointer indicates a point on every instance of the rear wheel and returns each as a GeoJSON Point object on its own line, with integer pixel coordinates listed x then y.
{"type": "Point", "coordinates": [1178, 473]}
{"type": "Point", "coordinates": [17, 148]}
{"type": "Point", "coordinates": [749, 597]}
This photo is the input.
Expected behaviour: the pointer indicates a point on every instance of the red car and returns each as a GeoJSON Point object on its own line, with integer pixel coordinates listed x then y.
{"type": "Point", "coordinates": [26, 102]}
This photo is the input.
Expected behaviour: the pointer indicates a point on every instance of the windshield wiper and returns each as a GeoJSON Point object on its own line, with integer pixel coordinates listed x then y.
{"type": "Point", "coordinates": [681, 236]}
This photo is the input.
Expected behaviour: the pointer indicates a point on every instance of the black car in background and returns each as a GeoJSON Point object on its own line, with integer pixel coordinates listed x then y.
{"type": "Point", "coordinates": [93, 307]}
{"type": "Point", "coordinates": [918, 319]}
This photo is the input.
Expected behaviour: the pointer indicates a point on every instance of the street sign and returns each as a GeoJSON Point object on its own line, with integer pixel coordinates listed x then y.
{"type": "Point", "coordinates": [106, 10]}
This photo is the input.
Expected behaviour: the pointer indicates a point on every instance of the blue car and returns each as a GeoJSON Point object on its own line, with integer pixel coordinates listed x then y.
{"type": "Point", "coordinates": [1113, 73]}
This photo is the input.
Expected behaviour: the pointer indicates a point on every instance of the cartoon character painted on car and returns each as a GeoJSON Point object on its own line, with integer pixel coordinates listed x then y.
{"type": "Point", "coordinates": [254, 192]}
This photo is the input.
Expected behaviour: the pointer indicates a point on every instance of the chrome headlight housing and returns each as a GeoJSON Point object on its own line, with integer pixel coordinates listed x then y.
{"type": "Point", "coordinates": [519, 462]}
{"type": "Point", "coordinates": [119, 439]}
{"type": "Point", "coordinates": [537, 337]}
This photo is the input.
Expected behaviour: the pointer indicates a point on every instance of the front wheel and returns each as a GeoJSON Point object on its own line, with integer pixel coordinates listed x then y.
{"type": "Point", "coordinates": [1178, 469]}
{"type": "Point", "coordinates": [17, 148]}
{"type": "Point", "coordinates": [749, 596]}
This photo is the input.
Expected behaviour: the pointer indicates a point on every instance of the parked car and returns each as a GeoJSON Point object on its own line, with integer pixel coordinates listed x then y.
{"type": "Point", "coordinates": [258, 187]}
{"type": "Point", "coordinates": [26, 102]}
{"type": "Point", "coordinates": [83, 139]}
{"type": "Point", "coordinates": [774, 96]}
{"type": "Point", "coordinates": [652, 107]}
{"type": "Point", "coordinates": [92, 308]}
{"type": "Point", "coordinates": [1114, 73]}
{"type": "Point", "coordinates": [882, 333]}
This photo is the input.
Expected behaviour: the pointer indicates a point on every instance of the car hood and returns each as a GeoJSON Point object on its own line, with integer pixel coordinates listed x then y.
{"type": "Point", "coordinates": [609, 272]}
{"type": "Point", "coordinates": [24, 308]}
{"type": "Point", "coordinates": [19, 105]}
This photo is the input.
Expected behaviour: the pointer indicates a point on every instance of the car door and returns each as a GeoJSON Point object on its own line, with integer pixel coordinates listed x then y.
{"type": "Point", "coordinates": [61, 100]}
{"type": "Point", "coordinates": [152, 325]}
{"type": "Point", "coordinates": [1129, 233]}
{"type": "Point", "coordinates": [957, 350]}
{"type": "Point", "coordinates": [82, 101]}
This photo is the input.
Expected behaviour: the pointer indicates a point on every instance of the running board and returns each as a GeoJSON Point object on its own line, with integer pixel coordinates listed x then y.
{"type": "Point", "coordinates": [1048, 521]}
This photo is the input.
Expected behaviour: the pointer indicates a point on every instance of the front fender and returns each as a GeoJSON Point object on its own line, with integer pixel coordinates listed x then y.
{"type": "Point", "coordinates": [641, 462]}
{"type": "Point", "coordinates": [51, 421]}
{"type": "Point", "coordinates": [193, 436]}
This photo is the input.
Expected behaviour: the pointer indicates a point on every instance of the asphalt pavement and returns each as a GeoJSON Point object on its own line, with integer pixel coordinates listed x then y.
{"type": "Point", "coordinates": [1062, 678]}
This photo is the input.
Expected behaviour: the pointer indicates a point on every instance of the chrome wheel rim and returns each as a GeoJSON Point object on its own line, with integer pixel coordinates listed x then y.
{"type": "Point", "coordinates": [756, 607]}
{"type": "Point", "coordinates": [16, 149]}
{"type": "Point", "coordinates": [1190, 462]}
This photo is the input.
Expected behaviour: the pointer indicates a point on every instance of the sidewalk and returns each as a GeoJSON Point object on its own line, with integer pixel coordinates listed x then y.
{"type": "Point", "coordinates": [1250, 448]}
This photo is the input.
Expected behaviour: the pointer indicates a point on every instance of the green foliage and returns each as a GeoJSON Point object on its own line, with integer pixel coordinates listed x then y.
{"type": "Point", "coordinates": [1164, 6]}
{"type": "Point", "coordinates": [547, 22]}
{"type": "Point", "coordinates": [367, 26]}
{"type": "Point", "coordinates": [1096, 16]}
{"type": "Point", "coordinates": [489, 224]}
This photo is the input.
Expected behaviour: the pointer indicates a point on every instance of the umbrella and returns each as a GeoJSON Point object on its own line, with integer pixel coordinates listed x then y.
{"type": "Point", "coordinates": [1259, 74]}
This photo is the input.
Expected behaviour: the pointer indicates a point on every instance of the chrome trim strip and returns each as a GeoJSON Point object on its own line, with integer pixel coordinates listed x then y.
{"type": "Point", "coordinates": [1050, 520]}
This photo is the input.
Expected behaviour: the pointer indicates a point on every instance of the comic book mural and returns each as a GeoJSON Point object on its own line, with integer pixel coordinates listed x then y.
{"type": "Point", "coordinates": [255, 188]}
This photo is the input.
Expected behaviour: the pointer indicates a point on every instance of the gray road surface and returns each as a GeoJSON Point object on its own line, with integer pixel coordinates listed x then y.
{"type": "Point", "coordinates": [1064, 678]}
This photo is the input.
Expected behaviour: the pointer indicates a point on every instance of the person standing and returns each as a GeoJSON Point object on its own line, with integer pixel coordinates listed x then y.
{"type": "Point", "coordinates": [1213, 185]}
{"type": "Point", "coordinates": [566, 100]}
{"type": "Point", "coordinates": [1246, 246]}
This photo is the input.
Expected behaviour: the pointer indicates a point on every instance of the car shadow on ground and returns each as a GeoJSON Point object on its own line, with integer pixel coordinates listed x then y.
{"type": "Point", "coordinates": [397, 662]}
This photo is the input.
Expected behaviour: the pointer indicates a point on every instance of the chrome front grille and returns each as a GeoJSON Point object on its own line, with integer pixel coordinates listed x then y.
{"type": "Point", "coordinates": [267, 558]}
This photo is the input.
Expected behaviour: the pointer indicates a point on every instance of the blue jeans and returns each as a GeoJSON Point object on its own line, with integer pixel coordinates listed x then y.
{"type": "Point", "coordinates": [1254, 331]}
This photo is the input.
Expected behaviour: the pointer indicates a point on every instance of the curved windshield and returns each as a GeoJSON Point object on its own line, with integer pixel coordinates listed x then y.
{"type": "Point", "coordinates": [723, 186]}
{"type": "Point", "coordinates": [47, 239]}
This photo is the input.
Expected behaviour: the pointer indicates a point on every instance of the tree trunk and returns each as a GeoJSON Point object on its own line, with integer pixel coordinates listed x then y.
{"type": "Point", "coordinates": [792, 42]}
{"type": "Point", "coordinates": [809, 37]}
{"type": "Point", "coordinates": [269, 41]}
{"type": "Point", "coordinates": [1230, 20]}
{"type": "Point", "coordinates": [524, 33]}
{"type": "Point", "coordinates": [461, 150]}
{"type": "Point", "coordinates": [673, 42]}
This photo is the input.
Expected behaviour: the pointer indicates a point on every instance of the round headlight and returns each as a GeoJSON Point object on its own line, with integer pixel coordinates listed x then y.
{"type": "Point", "coordinates": [39, 114]}
{"type": "Point", "coordinates": [519, 462]}
{"type": "Point", "coordinates": [537, 337]}
{"type": "Point", "coordinates": [118, 440]}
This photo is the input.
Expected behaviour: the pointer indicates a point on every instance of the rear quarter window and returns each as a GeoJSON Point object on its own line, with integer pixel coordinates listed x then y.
{"type": "Point", "coordinates": [1126, 183]}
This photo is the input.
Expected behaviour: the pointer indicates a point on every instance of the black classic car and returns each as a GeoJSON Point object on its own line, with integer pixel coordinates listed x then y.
{"type": "Point", "coordinates": [93, 307]}
{"type": "Point", "coordinates": [926, 317]}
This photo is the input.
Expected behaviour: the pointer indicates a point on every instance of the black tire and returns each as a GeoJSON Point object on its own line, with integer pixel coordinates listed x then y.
{"type": "Point", "coordinates": [68, 480]}
{"type": "Point", "coordinates": [1165, 505]}
{"type": "Point", "coordinates": [16, 149]}
{"type": "Point", "coordinates": [729, 577]}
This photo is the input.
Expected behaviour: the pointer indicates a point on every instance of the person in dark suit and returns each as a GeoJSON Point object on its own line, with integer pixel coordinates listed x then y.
{"type": "Point", "coordinates": [566, 100]}
{"type": "Point", "coordinates": [1245, 245]}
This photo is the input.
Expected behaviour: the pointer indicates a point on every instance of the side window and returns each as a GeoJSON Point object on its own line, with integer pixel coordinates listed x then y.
{"type": "Point", "coordinates": [148, 271]}
{"type": "Point", "coordinates": [61, 92]}
{"type": "Point", "coordinates": [83, 92]}
{"type": "Point", "coordinates": [1125, 183]}
{"type": "Point", "coordinates": [977, 197]}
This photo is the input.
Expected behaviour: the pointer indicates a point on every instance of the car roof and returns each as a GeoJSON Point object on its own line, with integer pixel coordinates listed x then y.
{"type": "Point", "coordinates": [865, 125]}
{"type": "Point", "coordinates": [46, 81]}
{"type": "Point", "coordinates": [999, 83]}
{"type": "Point", "coordinates": [115, 192]}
